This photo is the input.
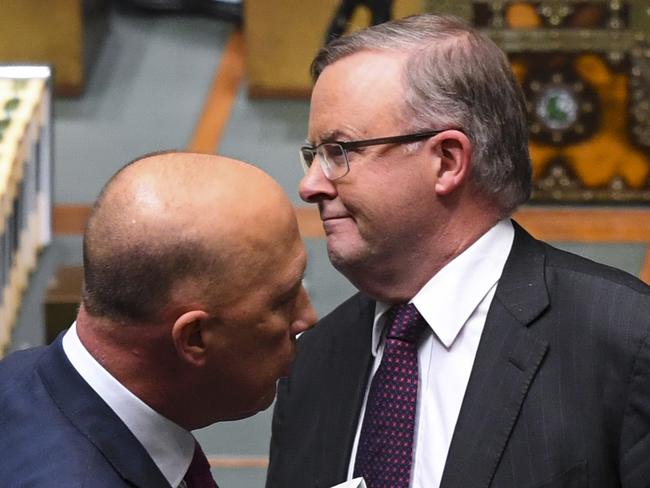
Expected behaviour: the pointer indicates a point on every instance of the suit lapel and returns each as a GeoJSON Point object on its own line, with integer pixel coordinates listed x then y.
{"type": "Point", "coordinates": [507, 360]}
{"type": "Point", "coordinates": [351, 360]}
{"type": "Point", "coordinates": [95, 420]}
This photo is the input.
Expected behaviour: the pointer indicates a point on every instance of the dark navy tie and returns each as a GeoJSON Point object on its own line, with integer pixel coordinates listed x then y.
{"type": "Point", "coordinates": [385, 450]}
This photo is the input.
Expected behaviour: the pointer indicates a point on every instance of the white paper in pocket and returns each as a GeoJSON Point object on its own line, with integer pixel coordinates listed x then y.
{"type": "Point", "coordinates": [355, 483]}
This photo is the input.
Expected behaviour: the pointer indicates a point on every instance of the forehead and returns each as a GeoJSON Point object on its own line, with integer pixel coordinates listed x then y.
{"type": "Point", "coordinates": [258, 276]}
{"type": "Point", "coordinates": [279, 258]}
{"type": "Point", "coordinates": [360, 94]}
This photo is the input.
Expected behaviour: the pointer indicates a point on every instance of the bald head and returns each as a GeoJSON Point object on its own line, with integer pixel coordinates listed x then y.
{"type": "Point", "coordinates": [172, 230]}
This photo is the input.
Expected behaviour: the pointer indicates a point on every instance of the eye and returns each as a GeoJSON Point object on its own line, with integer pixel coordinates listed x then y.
{"type": "Point", "coordinates": [285, 301]}
{"type": "Point", "coordinates": [357, 150]}
{"type": "Point", "coordinates": [333, 154]}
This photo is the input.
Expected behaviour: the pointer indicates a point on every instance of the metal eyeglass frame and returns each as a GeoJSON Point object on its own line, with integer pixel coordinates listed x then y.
{"type": "Point", "coordinates": [326, 165]}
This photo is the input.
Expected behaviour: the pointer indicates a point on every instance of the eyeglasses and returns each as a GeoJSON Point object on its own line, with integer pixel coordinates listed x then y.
{"type": "Point", "coordinates": [333, 156]}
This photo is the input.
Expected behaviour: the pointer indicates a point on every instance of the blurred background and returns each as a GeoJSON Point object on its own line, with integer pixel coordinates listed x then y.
{"type": "Point", "coordinates": [231, 77]}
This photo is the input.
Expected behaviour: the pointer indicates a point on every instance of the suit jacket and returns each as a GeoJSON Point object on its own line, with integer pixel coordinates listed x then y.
{"type": "Point", "coordinates": [558, 396]}
{"type": "Point", "coordinates": [55, 431]}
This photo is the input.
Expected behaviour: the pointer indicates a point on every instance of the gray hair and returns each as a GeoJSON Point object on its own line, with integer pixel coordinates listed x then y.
{"type": "Point", "coordinates": [456, 77]}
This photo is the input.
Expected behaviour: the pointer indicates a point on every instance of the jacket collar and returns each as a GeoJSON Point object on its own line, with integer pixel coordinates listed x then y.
{"type": "Point", "coordinates": [95, 420]}
{"type": "Point", "coordinates": [507, 360]}
{"type": "Point", "coordinates": [351, 362]}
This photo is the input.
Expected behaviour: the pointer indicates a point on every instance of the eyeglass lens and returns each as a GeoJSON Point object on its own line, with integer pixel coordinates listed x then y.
{"type": "Point", "coordinates": [334, 154]}
{"type": "Point", "coordinates": [332, 157]}
{"type": "Point", "coordinates": [335, 159]}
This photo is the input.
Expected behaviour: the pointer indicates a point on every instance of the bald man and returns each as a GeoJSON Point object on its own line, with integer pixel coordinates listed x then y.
{"type": "Point", "coordinates": [191, 303]}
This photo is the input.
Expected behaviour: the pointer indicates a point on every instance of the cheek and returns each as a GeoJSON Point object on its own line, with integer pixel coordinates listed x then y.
{"type": "Point", "coordinates": [379, 209]}
{"type": "Point", "coordinates": [275, 341]}
{"type": "Point", "coordinates": [382, 185]}
{"type": "Point", "coordinates": [364, 198]}
{"type": "Point", "coordinates": [410, 191]}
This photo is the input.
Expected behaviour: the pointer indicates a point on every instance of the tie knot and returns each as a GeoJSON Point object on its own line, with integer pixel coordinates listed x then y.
{"type": "Point", "coordinates": [198, 474]}
{"type": "Point", "coordinates": [406, 323]}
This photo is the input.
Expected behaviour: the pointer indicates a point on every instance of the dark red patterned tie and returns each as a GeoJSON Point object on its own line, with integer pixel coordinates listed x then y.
{"type": "Point", "coordinates": [198, 474]}
{"type": "Point", "coordinates": [385, 451]}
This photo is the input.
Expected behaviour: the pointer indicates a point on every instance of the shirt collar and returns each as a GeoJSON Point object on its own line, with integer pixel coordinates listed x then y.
{"type": "Point", "coordinates": [450, 297]}
{"type": "Point", "coordinates": [170, 446]}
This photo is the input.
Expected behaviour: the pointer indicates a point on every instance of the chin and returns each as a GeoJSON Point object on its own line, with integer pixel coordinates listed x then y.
{"type": "Point", "coordinates": [267, 400]}
{"type": "Point", "coordinates": [345, 258]}
{"type": "Point", "coordinates": [263, 402]}
{"type": "Point", "coordinates": [241, 416]}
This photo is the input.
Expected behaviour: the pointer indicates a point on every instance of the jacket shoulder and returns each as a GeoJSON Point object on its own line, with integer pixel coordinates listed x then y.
{"type": "Point", "coordinates": [587, 270]}
{"type": "Point", "coordinates": [40, 445]}
{"type": "Point", "coordinates": [16, 365]}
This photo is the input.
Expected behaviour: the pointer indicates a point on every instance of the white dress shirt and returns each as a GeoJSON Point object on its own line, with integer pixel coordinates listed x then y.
{"type": "Point", "coordinates": [454, 303]}
{"type": "Point", "coordinates": [170, 446]}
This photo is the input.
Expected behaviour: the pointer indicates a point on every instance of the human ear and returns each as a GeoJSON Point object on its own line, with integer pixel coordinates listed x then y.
{"type": "Point", "coordinates": [453, 151]}
{"type": "Point", "coordinates": [188, 335]}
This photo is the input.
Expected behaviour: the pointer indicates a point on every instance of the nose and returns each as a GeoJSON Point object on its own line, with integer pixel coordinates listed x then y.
{"type": "Point", "coordinates": [305, 317]}
{"type": "Point", "coordinates": [315, 186]}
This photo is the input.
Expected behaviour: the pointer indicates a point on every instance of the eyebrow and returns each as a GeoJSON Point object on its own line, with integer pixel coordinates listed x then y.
{"type": "Point", "coordinates": [329, 136]}
{"type": "Point", "coordinates": [294, 288]}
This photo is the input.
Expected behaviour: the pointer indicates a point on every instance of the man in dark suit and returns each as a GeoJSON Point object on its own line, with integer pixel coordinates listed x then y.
{"type": "Point", "coordinates": [474, 355]}
{"type": "Point", "coordinates": [191, 302]}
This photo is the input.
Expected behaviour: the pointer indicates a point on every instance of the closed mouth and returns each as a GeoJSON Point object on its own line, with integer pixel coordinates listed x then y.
{"type": "Point", "coordinates": [325, 218]}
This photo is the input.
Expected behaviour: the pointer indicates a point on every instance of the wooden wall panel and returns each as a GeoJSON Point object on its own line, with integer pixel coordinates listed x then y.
{"type": "Point", "coordinates": [282, 37]}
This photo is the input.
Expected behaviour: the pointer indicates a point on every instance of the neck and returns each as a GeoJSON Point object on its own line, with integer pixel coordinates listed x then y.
{"type": "Point", "coordinates": [398, 280]}
{"type": "Point", "coordinates": [139, 356]}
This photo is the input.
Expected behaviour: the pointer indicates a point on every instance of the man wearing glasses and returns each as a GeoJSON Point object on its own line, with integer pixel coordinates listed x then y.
{"type": "Point", "coordinates": [474, 355]}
